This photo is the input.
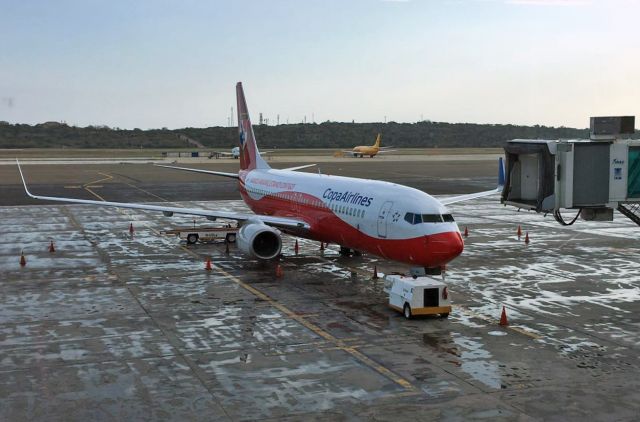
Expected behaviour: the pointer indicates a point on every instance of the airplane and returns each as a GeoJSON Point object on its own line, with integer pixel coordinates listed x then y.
{"type": "Point", "coordinates": [370, 150]}
{"type": "Point", "coordinates": [384, 219]}
{"type": "Point", "coordinates": [235, 153]}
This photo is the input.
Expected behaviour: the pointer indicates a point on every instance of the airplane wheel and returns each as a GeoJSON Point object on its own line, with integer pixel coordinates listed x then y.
{"type": "Point", "coordinates": [230, 238]}
{"type": "Point", "coordinates": [407, 311]}
{"type": "Point", "coordinates": [446, 315]}
{"type": "Point", "coordinates": [192, 238]}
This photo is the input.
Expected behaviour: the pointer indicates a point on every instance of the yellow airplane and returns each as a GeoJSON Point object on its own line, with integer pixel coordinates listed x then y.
{"type": "Point", "coordinates": [371, 150]}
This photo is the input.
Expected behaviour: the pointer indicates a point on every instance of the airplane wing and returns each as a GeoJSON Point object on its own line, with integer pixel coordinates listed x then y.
{"type": "Point", "coordinates": [461, 198]}
{"type": "Point", "coordinates": [282, 222]}
{"type": "Point", "coordinates": [468, 197]}
{"type": "Point", "coordinates": [216, 173]}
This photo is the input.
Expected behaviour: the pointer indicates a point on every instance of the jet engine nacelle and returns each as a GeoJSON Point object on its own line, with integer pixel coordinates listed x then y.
{"type": "Point", "coordinates": [259, 240]}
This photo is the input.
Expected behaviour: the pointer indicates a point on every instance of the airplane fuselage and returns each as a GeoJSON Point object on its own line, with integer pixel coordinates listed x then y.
{"type": "Point", "coordinates": [365, 150]}
{"type": "Point", "coordinates": [367, 215]}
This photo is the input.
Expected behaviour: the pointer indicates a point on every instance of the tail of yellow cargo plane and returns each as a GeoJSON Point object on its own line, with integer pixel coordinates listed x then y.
{"type": "Point", "coordinates": [377, 144]}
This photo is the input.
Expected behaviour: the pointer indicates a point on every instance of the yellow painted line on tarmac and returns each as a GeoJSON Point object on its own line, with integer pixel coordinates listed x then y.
{"type": "Point", "coordinates": [340, 344]}
{"type": "Point", "coordinates": [93, 193]}
{"type": "Point", "coordinates": [88, 186]}
{"type": "Point", "coordinates": [104, 179]}
{"type": "Point", "coordinates": [316, 329]}
{"type": "Point", "coordinates": [144, 191]}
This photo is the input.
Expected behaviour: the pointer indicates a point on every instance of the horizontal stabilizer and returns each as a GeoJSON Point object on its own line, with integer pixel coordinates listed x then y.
{"type": "Point", "coordinates": [299, 167]}
{"type": "Point", "coordinates": [215, 173]}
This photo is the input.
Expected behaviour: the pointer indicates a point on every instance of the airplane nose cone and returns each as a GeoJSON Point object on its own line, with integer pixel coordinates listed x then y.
{"type": "Point", "coordinates": [444, 247]}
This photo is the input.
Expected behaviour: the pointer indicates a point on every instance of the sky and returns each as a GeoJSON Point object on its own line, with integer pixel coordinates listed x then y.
{"type": "Point", "coordinates": [161, 63]}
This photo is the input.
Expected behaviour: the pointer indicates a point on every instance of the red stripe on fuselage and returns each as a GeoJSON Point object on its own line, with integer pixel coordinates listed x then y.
{"type": "Point", "coordinates": [325, 226]}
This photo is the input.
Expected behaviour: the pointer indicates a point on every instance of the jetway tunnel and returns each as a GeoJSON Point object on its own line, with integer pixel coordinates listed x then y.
{"type": "Point", "coordinates": [594, 176]}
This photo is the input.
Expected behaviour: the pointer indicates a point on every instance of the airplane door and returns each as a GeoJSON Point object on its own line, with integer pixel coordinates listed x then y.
{"type": "Point", "coordinates": [385, 210]}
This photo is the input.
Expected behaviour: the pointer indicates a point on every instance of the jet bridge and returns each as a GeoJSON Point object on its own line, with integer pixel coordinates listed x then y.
{"type": "Point", "coordinates": [594, 176]}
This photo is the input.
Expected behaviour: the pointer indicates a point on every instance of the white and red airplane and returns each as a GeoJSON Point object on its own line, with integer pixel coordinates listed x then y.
{"type": "Point", "coordinates": [385, 219]}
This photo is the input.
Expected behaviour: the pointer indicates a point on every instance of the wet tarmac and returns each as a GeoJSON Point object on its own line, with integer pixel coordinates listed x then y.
{"type": "Point", "coordinates": [120, 327]}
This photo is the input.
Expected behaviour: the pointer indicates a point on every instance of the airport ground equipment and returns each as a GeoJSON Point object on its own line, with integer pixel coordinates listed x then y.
{"type": "Point", "coordinates": [593, 176]}
{"type": "Point", "coordinates": [205, 234]}
{"type": "Point", "coordinates": [417, 295]}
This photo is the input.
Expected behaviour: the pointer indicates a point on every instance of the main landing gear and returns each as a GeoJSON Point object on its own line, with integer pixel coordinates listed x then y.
{"type": "Point", "coordinates": [344, 251]}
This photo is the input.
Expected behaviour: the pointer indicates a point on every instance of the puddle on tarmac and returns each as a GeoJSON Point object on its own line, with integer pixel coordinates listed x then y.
{"type": "Point", "coordinates": [469, 355]}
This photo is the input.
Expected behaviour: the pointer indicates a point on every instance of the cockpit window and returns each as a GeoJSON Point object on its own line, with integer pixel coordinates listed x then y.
{"type": "Point", "coordinates": [431, 218]}
{"type": "Point", "coordinates": [413, 218]}
{"type": "Point", "coordinates": [448, 218]}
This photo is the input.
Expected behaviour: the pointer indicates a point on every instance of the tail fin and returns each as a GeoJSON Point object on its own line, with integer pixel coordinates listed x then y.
{"type": "Point", "coordinates": [378, 138]}
{"type": "Point", "coordinates": [249, 155]}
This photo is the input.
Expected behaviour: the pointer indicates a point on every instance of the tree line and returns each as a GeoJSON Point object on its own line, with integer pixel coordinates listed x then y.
{"type": "Point", "coordinates": [425, 134]}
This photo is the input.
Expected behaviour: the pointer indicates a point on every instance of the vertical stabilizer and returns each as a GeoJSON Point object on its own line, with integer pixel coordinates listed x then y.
{"type": "Point", "coordinates": [377, 144]}
{"type": "Point", "coordinates": [249, 155]}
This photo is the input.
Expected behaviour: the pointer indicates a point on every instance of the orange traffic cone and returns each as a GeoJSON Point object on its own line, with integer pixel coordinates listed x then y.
{"type": "Point", "coordinates": [295, 247]}
{"type": "Point", "coordinates": [466, 231]}
{"type": "Point", "coordinates": [526, 238]}
{"type": "Point", "coordinates": [207, 265]}
{"type": "Point", "coordinates": [375, 272]}
{"type": "Point", "coordinates": [279, 271]}
{"type": "Point", "coordinates": [52, 248]}
{"type": "Point", "coordinates": [503, 317]}
{"type": "Point", "coordinates": [519, 232]}
{"type": "Point", "coordinates": [131, 229]}
{"type": "Point", "coordinates": [23, 261]}
{"type": "Point", "coordinates": [226, 247]}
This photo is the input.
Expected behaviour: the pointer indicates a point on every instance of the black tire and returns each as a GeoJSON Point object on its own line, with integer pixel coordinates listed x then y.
{"type": "Point", "coordinates": [446, 315]}
{"type": "Point", "coordinates": [406, 311]}
{"type": "Point", "coordinates": [192, 238]}
{"type": "Point", "coordinates": [230, 238]}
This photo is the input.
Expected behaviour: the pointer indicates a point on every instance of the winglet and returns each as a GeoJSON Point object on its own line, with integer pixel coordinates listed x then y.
{"type": "Point", "coordinates": [23, 182]}
{"type": "Point", "coordinates": [500, 173]}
